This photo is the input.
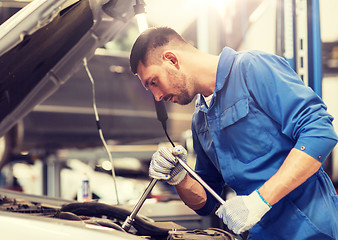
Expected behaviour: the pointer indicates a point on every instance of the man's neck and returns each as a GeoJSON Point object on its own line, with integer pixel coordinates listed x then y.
{"type": "Point", "coordinates": [201, 68]}
{"type": "Point", "coordinates": [207, 75]}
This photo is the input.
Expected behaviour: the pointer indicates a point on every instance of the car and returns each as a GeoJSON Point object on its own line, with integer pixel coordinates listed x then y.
{"type": "Point", "coordinates": [41, 47]}
{"type": "Point", "coordinates": [61, 115]}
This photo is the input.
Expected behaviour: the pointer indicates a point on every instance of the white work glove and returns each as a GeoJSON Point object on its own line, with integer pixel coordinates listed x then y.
{"type": "Point", "coordinates": [241, 213]}
{"type": "Point", "coordinates": [165, 166]}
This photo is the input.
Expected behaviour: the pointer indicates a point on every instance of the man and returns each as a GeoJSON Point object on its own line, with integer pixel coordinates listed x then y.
{"type": "Point", "coordinates": [256, 128]}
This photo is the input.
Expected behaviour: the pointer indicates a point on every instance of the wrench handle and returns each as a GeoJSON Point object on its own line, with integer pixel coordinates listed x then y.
{"type": "Point", "coordinates": [130, 219]}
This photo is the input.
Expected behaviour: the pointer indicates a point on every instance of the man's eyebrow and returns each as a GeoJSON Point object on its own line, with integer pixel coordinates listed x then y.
{"type": "Point", "coordinates": [146, 82]}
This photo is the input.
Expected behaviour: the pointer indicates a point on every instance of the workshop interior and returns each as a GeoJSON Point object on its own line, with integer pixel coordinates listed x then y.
{"type": "Point", "coordinates": [78, 129]}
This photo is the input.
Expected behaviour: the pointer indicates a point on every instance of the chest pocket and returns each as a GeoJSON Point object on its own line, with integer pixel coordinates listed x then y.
{"type": "Point", "coordinates": [241, 129]}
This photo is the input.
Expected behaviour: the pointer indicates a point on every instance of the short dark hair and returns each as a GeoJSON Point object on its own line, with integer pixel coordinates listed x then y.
{"type": "Point", "coordinates": [148, 40]}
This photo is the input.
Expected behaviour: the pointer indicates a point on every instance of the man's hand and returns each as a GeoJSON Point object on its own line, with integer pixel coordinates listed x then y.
{"type": "Point", "coordinates": [241, 213]}
{"type": "Point", "coordinates": [165, 166]}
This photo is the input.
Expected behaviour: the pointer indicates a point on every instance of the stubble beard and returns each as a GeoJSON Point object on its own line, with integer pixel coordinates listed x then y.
{"type": "Point", "coordinates": [184, 97]}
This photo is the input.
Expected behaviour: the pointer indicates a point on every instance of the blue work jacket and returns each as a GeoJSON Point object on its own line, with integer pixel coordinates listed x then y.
{"type": "Point", "coordinates": [259, 111]}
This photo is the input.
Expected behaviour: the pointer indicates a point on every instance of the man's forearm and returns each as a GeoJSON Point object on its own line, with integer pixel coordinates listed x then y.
{"type": "Point", "coordinates": [296, 169]}
{"type": "Point", "coordinates": [191, 192]}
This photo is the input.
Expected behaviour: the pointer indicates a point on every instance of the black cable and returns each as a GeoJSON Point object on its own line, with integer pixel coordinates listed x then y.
{"type": "Point", "coordinates": [162, 116]}
{"type": "Point", "coordinates": [99, 128]}
{"type": "Point", "coordinates": [166, 133]}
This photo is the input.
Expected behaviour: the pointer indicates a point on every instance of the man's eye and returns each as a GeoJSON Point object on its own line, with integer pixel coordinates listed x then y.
{"type": "Point", "coordinates": [153, 83]}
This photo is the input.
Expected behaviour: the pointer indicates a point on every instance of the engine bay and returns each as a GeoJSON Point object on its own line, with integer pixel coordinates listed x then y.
{"type": "Point", "coordinates": [102, 216]}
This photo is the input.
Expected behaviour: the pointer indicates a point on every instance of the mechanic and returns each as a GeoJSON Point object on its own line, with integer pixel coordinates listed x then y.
{"type": "Point", "coordinates": [256, 127]}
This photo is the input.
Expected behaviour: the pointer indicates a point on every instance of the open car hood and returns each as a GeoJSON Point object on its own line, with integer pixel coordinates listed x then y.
{"type": "Point", "coordinates": [44, 43]}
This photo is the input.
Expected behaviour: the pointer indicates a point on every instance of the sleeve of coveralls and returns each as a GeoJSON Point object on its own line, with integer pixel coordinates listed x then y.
{"type": "Point", "coordinates": [281, 94]}
{"type": "Point", "coordinates": [207, 171]}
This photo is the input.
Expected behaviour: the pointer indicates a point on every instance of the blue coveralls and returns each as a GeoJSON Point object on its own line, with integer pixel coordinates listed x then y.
{"type": "Point", "coordinates": [259, 111]}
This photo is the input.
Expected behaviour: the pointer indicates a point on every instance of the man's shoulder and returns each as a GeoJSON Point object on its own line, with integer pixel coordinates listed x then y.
{"type": "Point", "coordinates": [255, 58]}
{"type": "Point", "coordinates": [249, 55]}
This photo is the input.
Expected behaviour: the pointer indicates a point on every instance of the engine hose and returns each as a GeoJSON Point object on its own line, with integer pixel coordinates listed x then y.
{"type": "Point", "coordinates": [95, 209]}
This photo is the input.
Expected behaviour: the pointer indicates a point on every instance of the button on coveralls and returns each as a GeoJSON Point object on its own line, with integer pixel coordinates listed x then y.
{"type": "Point", "coordinates": [259, 111]}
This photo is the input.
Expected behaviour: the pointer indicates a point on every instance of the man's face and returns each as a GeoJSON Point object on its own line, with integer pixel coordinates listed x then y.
{"type": "Point", "coordinates": [166, 82]}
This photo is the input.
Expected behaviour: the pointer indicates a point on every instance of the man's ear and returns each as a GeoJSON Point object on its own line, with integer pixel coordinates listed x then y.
{"type": "Point", "coordinates": [171, 58]}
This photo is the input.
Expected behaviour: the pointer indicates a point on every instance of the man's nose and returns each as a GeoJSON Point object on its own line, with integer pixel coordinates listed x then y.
{"type": "Point", "coordinates": [157, 95]}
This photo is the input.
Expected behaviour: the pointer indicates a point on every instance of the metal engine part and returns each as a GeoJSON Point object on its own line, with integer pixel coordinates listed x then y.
{"type": "Point", "coordinates": [210, 233]}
